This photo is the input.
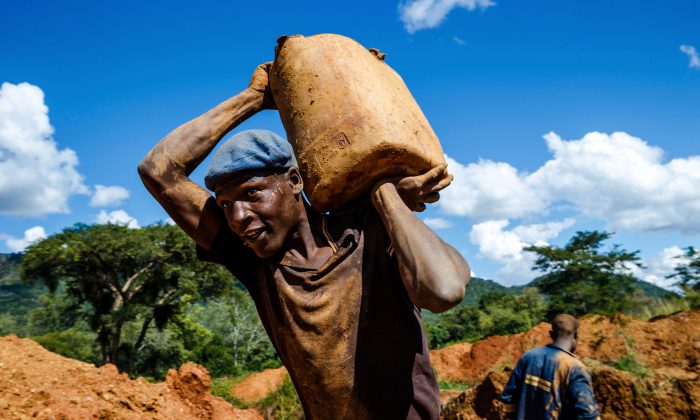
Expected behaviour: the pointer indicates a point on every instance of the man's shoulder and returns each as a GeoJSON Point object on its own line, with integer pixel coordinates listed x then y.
{"type": "Point", "coordinates": [536, 352]}
{"type": "Point", "coordinates": [358, 216]}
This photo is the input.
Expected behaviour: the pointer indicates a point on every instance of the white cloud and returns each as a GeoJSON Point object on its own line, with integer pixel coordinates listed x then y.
{"type": "Point", "coordinates": [424, 14]}
{"type": "Point", "coordinates": [170, 221]}
{"type": "Point", "coordinates": [657, 268]}
{"type": "Point", "coordinates": [623, 180]}
{"type": "Point", "coordinates": [617, 178]}
{"type": "Point", "coordinates": [458, 41]}
{"type": "Point", "coordinates": [117, 217]}
{"type": "Point", "coordinates": [31, 235]}
{"type": "Point", "coordinates": [36, 178]}
{"type": "Point", "coordinates": [692, 53]}
{"type": "Point", "coordinates": [108, 196]}
{"type": "Point", "coordinates": [437, 223]}
{"type": "Point", "coordinates": [489, 190]}
{"type": "Point", "coordinates": [505, 247]}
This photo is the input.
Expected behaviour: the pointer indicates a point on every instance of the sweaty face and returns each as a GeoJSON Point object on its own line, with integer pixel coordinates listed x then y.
{"type": "Point", "coordinates": [261, 208]}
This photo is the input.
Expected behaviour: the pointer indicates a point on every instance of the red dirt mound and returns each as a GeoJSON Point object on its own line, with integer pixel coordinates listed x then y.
{"type": "Point", "coordinates": [666, 352]}
{"type": "Point", "coordinates": [448, 362]}
{"type": "Point", "coordinates": [258, 385]}
{"type": "Point", "coordinates": [37, 383]}
{"type": "Point", "coordinates": [669, 342]}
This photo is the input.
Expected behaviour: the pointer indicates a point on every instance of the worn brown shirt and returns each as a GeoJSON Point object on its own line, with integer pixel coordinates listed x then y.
{"type": "Point", "coordinates": [347, 332]}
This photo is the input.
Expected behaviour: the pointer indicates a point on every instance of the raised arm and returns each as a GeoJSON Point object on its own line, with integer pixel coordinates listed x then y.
{"type": "Point", "coordinates": [435, 274]}
{"type": "Point", "coordinates": [165, 170]}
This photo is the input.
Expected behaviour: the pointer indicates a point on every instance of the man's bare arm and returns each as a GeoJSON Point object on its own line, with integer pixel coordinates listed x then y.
{"type": "Point", "coordinates": [435, 274]}
{"type": "Point", "coordinates": [165, 170]}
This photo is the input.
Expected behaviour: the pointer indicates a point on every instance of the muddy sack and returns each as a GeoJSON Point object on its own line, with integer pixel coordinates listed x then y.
{"type": "Point", "coordinates": [349, 117]}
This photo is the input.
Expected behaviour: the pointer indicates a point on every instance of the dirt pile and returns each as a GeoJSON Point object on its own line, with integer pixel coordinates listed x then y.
{"type": "Point", "coordinates": [258, 385]}
{"type": "Point", "coordinates": [640, 369]}
{"type": "Point", "coordinates": [37, 383]}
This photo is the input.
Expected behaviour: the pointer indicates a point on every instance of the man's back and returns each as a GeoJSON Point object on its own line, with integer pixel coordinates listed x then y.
{"type": "Point", "coordinates": [549, 383]}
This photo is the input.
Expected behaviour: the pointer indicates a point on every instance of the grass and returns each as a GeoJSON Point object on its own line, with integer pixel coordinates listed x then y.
{"type": "Point", "coordinates": [282, 404]}
{"type": "Point", "coordinates": [660, 307]}
{"type": "Point", "coordinates": [452, 386]}
{"type": "Point", "coordinates": [221, 387]}
{"type": "Point", "coordinates": [629, 363]}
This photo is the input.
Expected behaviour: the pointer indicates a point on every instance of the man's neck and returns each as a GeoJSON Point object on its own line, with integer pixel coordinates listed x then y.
{"type": "Point", "coordinates": [564, 344]}
{"type": "Point", "coordinates": [307, 242]}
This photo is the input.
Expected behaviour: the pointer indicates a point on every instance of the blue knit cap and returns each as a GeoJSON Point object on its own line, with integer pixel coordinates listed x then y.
{"type": "Point", "coordinates": [249, 150]}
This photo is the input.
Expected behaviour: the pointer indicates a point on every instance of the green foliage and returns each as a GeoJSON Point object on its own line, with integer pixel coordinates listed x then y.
{"type": "Point", "coordinates": [221, 387]}
{"type": "Point", "coordinates": [159, 351]}
{"type": "Point", "coordinates": [479, 287]}
{"type": "Point", "coordinates": [114, 275]}
{"type": "Point", "coordinates": [8, 324]}
{"type": "Point", "coordinates": [71, 343]}
{"type": "Point", "coordinates": [55, 313]}
{"type": "Point", "coordinates": [17, 300]}
{"type": "Point", "coordinates": [452, 386]}
{"type": "Point", "coordinates": [687, 275]}
{"type": "Point", "coordinates": [282, 404]}
{"type": "Point", "coordinates": [629, 363]}
{"type": "Point", "coordinates": [646, 307]}
{"type": "Point", "coordinates": [236, 321]}
{"type": "Point", "coordinates": [580, 278]}
{"type": "Point", "coordinates": [9, 269]}
{"type": "Point", "coordinates": [498, 313]}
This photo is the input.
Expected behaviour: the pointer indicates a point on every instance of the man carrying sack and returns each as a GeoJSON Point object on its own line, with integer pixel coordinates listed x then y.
{"type": "Point", "coordinates": [338, 293]}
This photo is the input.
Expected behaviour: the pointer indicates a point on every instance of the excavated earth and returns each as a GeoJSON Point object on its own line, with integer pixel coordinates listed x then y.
{"type": "Point", "coordinates": [35, 383]}
{"type": "Point", "coordinates": [258, 385]}
{"type": "Point", "coordinates": [665, 383]}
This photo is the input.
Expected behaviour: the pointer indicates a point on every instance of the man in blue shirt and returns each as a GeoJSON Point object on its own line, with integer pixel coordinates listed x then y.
{"type": "Point", "coordinates": [550, 382]}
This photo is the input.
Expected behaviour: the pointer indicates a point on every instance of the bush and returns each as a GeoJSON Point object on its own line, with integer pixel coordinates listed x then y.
{"type": "Point", "coordinates": [282, 404]}
{"type": "Point", "coordinates": [72, 343]}
{"type": "Point", "coordinates": [8, 324]}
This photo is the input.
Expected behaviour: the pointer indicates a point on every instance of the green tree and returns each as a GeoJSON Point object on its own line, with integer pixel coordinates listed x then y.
{"type": "Point", "coordinates": [8, 324]}
{"type": "Point", "coordinates": [56, 312]}
{"type": "Point", "coordinates": [236, 321]}
{"type": "Point", "coordinates": [115, 275]}
{"type": "Point", "coordinates": [582, 277]}
{"type": "Point", "coordinates": [687, 275]}
{"type": "Point", "coordinates": [73, 343]}
{"type": "Point", "coordinates": [498, 313]}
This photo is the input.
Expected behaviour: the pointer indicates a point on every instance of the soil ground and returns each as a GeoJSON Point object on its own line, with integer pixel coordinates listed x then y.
{"type": "Point", "coordinates": [35, 383]}
{"type": "Point", "coordinates": [662, 380]}
{"type": "Point", "coordinates": [258, 385]}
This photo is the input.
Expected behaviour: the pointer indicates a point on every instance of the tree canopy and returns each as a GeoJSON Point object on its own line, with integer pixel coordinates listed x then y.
{"type": "Point", "coordinates": [687, 275]}
{"type": "Point", "coordinates": [114, 275]}
{"type": "Point", "coordinates": [584, 276]}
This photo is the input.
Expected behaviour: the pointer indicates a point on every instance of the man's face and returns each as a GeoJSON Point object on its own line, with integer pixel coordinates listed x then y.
{"type": "Point", "coordinates": [261, 208]}
{"type": "Point", "coordinates": [575, 341]}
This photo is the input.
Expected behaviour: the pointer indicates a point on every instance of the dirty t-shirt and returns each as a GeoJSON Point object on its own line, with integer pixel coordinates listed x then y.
{"type": "Point", "coordinates": [347, 332]}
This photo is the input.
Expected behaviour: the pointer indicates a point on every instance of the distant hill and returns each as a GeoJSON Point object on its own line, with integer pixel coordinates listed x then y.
{"type": "Point", "coordinates": [16, 298]}
{"type": "Point", "coordinates": [9, 268]}
{"type": "Point", "coordinates": [479, 287]}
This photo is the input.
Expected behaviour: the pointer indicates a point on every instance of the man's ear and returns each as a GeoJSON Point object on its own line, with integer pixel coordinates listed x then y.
{"type": "Point", "coordinates": [295, 181]}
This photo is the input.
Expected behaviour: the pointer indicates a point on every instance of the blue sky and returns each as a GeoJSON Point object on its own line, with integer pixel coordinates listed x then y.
{"type": "Point", "coordinates": [557, 116]}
